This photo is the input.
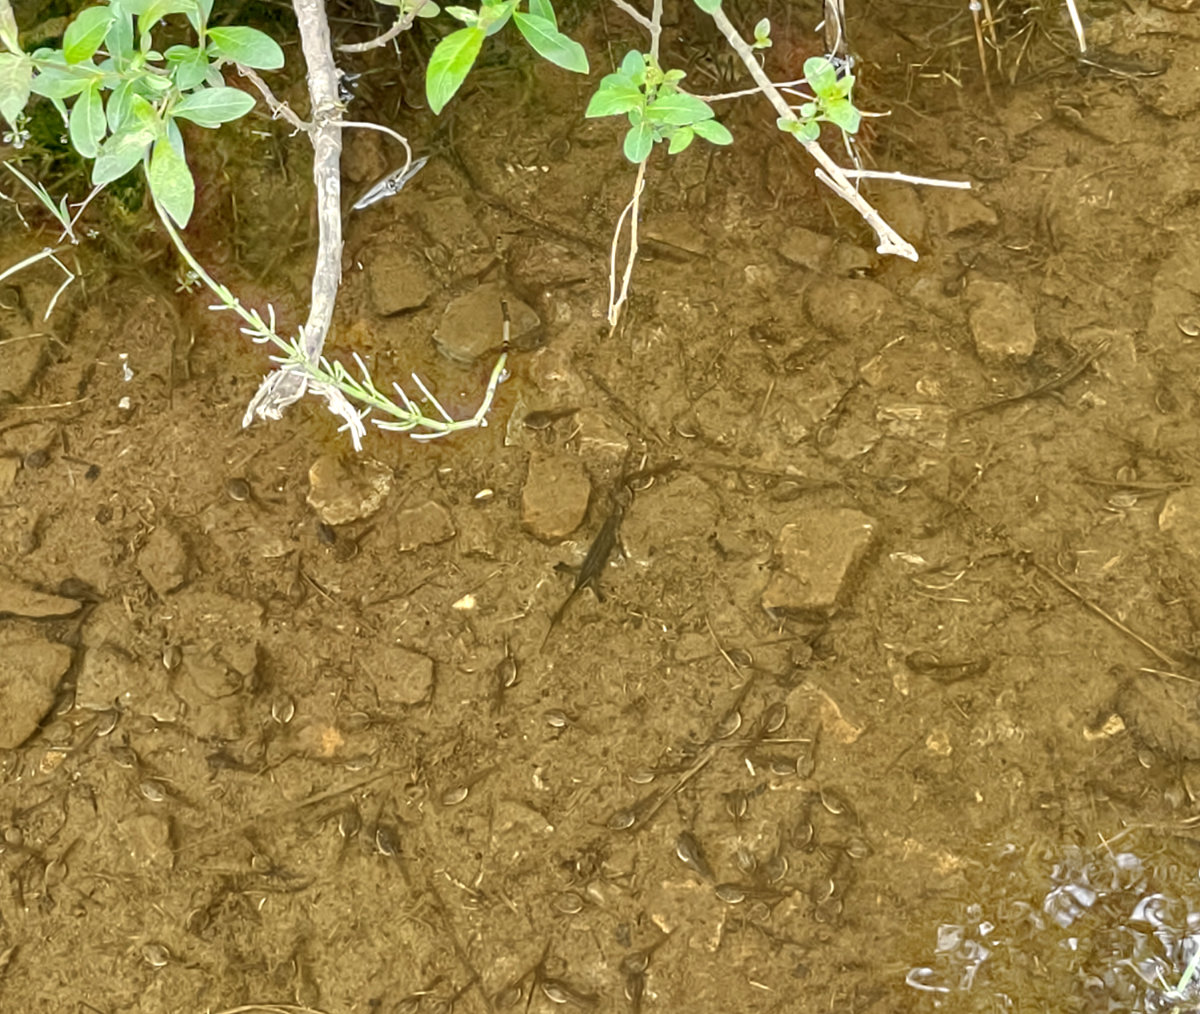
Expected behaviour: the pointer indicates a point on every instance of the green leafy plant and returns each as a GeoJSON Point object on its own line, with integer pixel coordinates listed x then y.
{"type": "Point", "coordinates": [657, 109]}
{"type": "Point", "coordinates": [120, 98]}
{"type": "Point", "coordinates": [456, 54]}
{"type": "Point", "coordinates": [831, 101]}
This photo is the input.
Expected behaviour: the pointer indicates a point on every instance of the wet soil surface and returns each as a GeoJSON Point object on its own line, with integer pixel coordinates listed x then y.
{"type": "Point", "coordinates": [883, 664]}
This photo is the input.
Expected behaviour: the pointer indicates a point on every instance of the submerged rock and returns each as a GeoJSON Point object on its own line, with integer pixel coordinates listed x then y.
{"type": "Point", "coordinates": [815, 559]}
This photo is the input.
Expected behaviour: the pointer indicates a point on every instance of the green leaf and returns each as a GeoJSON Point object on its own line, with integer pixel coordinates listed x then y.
{"type": "Point", "coordinates": [843, 114]}
{"type": "Point", "coordinates": [762, 34]}
{"type": "Point", "coordinates": [543, 9]}
{"type": "Point", "coordinates": [616, 95]}
{"type": "Point", "coordinates": [449, 65]}
{"type": "Point", "coordinates": [678, 110]}
{"type": "Point", "coordinates": [120, 153]}
{"type": "Point", "coordinates": [680, 139]}
{"type": "Point", "coordinates": [156, 10]}
{"type": "Point", "coordinates": [87, 125]}
{"type": "Point", "coordinates": [708, 6]}
{"type": "Point", "coordinates": [804, 130]}
{"type": "Point", "coordinates": [9, 34]}
{"type": "Point", "coordinates": [820, 74]}
{"type": "Point", "coordinates": [58, 83]}
{"type": "Point", "coordinates": [188, 67]}
{"type": "Point", "coordinates": [171, 181]}
{"type": "Point", "coordinates": [16, 78]}
{"type": "Point", "coordinates": [713, 132]}
{"type": "Point", "coordinates": [494, 16]}
{"type": "Point", "coordinates": [248, 46]}
{"type": "Point", "coordinates": [211, 107]}
{"type": "Point", "coordinates": [634, 67]}
{"type": "Point", "coordinates": [199, 14]}
{"type": "Point", "coordinates": [85, 34]}
{"type": "Point", "coordinates": [119, 40]}
{"type": "Point", "coordinates": [638, 142]}
{"type": "Point", "coordinates": [464, 14]}
{"type": "Point", "coordinates": [548, 42]}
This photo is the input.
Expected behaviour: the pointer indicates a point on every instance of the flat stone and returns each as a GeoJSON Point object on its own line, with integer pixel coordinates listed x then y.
{"type": "Point", "coordinates": [19, 599]}
{"type": "Point", "coordinates": [400, 677]}
{"type": "Point", "coordinates": [844, 306]}
{"type": "Point", "coordinates": [146, 841]}
{"type": "Point", "coordinates": [425, 525]}
{"type": "Point", "coordinates": [598, 438]}
{"type": "Point", "coordinates": [1180, 515]}
{"type": "Point", "coordinates": [555, 497]}
{"type": "Point", "coordinates": [1001, 322]}
{"type": "Point", "coordinates": [163, 561]}
{"type": "Point", "coordinates": [815, 560]}
{"type": "Point", "coordinates": [10, 465]}
{"type": "Point", "coordinates": [473, 325]}
{"type": "Point", "coordinates": [805, 248]}
{"type": "Point", "coordinates": [398, 279]}
{"type": "Point", "coordinates": [108, 677]}
{"type": "Point", "coordinates": [677, 230]}
{"type": "Point", "coordinates": [961, 212]}
{"type": "Point", "coordinates": [342, 490]}
{"type": "Point", "coordinates": [30, 671]}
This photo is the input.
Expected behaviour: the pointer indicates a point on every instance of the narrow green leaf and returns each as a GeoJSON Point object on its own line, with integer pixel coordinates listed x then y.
{"type": "Point", "coordinates": [680, 139]}
{"type": "Point", "coordinates": [467, 16]}
{"type": "Point", "coordinates": [616, 95]}
{"type": "Point", "coordinates": [678, 110]}
{"type": "Point", "coordinates": [708, 6]}
{"type": "Point", "coordinates": [638, 142]}
{"type": "Point", "coordinates": [548, 42]}
{"type": "Point", "coordinates": [449, 65]}
{"type": "Point", "coordinates": [211, 107]}
{"type": "Point", "coordinates": [16, 79]}
{"type": "Point", "coordinates": [246, 45]}
{"type": "Point", "coordinates": [87, 125]}
{"type": "Point", "coordinates": [85, 34]}
{"type": "Point", "coordinates": [119, 154]}
{"type": "Point", "coordinates": [171, 181]}
{"type": "Point", "coordinates": [713, 132]}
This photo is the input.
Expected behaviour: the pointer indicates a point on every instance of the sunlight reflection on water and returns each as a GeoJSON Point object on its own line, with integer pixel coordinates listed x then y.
{"type": "Point", "coordinates": [1104, 932]}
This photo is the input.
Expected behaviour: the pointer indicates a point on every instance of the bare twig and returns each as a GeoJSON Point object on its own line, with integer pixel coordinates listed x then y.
{"type": "Point", "coordinates": [402, 24]}
{"type": "Point", "coordinates": [925, 181]}
{"type": "Point", "coordinates": [632, 210]}
{"type": "Point", "coordinates": [829, 173]}
{"type": "Point", "coordinates": [279, 110]}
{"type": "Point", "coordinates": [617, 299]}
{"type": "Point", "coordinates": [286, 386]}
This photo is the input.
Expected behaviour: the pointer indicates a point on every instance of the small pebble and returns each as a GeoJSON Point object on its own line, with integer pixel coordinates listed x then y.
{"type": "Point", "coordinates": [238, 490]}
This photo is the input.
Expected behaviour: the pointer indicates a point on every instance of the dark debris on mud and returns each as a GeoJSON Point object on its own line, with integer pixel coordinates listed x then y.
{"type": "Point", "coordinates": [701, 678]}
